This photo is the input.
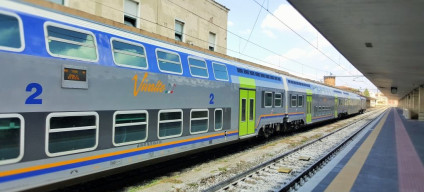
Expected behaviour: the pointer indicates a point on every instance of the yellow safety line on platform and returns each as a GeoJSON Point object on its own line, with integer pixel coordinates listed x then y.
{"type": "Point", "coordinates": [347, 176]}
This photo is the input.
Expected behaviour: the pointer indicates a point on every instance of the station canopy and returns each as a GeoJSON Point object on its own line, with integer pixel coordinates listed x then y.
{"type": "Point", "coordinates": [384, 39]}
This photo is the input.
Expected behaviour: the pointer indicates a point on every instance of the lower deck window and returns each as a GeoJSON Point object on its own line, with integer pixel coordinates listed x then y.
{"type": "Point", "coordinates": [73, 132]}
{"type": "Point", "coordinates": [199, 121]}
{"type": "Point", "coordinates": [11, 138]}
{"type": "Point", "coordinates": [293, 102]}
{"type": "Point", "coordinates": [300, 101]}
{"type": "Point", "coordinates": [130, 127]}
{"type": "Point", "coordinates": [218, 119]}
{"type": "Point", "coordinates": [170, 123]}
{"type": "Point", "coordinates": [277, 100]}
{"type": "Point", "coordinates": [268, 99]}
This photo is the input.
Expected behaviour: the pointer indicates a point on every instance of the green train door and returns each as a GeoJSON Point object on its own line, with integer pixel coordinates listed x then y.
{"type": "Point", "coordinates": [336, 105]}
{"type": "Point", "coordinates": [308, 106]}
{"type": "Point", "coordinates": [247, 112]}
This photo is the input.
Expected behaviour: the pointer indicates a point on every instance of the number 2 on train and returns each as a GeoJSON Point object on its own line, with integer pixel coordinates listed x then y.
{"type": "Point", "coordinates": [211, 96]}
{"type": "Point", "coordinates": [32, 99]}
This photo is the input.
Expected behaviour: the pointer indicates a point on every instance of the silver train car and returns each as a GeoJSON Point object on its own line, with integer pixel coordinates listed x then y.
{"type": "Point", "coordinates": [81, 98]}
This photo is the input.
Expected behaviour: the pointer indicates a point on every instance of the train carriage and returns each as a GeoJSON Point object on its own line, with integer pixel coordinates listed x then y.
{"type": "Point", "coordinates": [81, 97]}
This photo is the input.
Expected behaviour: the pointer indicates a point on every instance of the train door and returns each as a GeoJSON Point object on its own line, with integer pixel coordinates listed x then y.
{"type": "Point", "coordinates": [336, 105]}
{"type": "Point", "coordinates": [247, 112]}
{"type": "Point", "coordinates": [308, 106]}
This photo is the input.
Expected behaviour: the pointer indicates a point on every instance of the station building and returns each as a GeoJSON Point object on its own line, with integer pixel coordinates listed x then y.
{"type": "Point", "coordinates": [201, 23]}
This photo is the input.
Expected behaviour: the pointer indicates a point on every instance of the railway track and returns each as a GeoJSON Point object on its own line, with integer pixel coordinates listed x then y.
{"type": "Point", "coordinates": [136, 177]}
{"type": "Point", "coordinates": [290, 170]}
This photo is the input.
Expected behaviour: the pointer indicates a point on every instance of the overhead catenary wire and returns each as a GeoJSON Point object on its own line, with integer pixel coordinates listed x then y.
{"type": "Point", "coordinates": [188, 35]}
{"type": "Point", "coordinates": [253, 43]}
{"type": "Point", "coordinates": [253, 28]}
{"type": "Point", "coordinates": [294, 31]}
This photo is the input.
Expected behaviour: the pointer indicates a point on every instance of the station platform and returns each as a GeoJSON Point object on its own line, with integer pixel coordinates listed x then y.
{"type": "Point", "coordinates": [388, 157]}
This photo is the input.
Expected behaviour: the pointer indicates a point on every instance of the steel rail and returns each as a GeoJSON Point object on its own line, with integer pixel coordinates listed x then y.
{"type": "Point", "coordinates": [241, 176]}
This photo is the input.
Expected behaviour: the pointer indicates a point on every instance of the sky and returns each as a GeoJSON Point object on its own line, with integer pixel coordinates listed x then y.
{"type": "Point", "coordinates": [286, 41]}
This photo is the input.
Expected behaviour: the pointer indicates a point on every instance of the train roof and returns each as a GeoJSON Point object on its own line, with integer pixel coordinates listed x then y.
{"type": "Point", "coordinates": [296, 81]}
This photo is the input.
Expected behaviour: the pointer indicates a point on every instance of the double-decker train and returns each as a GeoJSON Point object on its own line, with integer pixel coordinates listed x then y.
{"type": "Point", "coordinates": [80, 97]}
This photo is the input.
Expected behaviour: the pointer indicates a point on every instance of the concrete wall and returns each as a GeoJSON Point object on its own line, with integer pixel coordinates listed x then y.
{"type": "Point", "coordinates": [158, 16]}
{"type": "Point", "coordinates": [413, 103]}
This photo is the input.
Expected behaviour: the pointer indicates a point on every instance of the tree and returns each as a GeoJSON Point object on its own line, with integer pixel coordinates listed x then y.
{"type": "Point", "coordinates": [366, 93]}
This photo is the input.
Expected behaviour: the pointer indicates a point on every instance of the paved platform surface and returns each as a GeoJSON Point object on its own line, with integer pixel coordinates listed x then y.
{"type": "Point", "coordinates": [389, 157]}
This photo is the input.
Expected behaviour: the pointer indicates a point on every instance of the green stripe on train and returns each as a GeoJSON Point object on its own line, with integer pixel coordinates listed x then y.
{"type": "Point", "coordinates": [247, 83]}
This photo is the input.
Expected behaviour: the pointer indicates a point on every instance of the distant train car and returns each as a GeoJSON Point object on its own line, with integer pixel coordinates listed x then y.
{"type": "Point", "coordinates": [81, 98]}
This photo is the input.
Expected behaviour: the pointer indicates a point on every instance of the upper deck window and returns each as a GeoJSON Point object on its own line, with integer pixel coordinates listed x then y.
{"type": "Point", "coordinates": [220, 71]}
{"type": "Point", "coordinates": [72, 43]}
{"type": "Point", "coordinates": [129, 54]}
{"type": "Point", "coordinates": [169, 62]}
{"type": "Point", "coordinates": [11, 37]}
{"type": "Point", "coordinates": [198, 67]}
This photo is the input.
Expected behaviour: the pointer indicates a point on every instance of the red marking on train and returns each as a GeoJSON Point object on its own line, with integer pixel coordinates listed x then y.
{"type": "Point", "coordinates": [410, 168]}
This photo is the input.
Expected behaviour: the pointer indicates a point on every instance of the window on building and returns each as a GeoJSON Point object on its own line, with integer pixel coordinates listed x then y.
{"type": "Point", "coordinates": [220, 71]}
{"type": "Point", "coordinates": [169, 62]}
{"type": "Point", "coordinates": [199, 121]}
{"type": "Point", "coordinates": [130, 127]}
{"type": "Point", "coordinates": [170, 123]}
{"type": "Point", "coordinates": [212, 41]}
{"type": "Point", "coordinates": [268, 99]}
{"type": "Point", "coordinates": [69, 133]}
{"type": "Point", "coordinates": [179, 30]}
{"type": "Point", "coordinates": [71, 43]}
{"type": "Point", "coordinates": [129, 54]}
{"type": "Point", "coordinates": [219, 119]}
{"type": "Point", "coordinates": [11, 138]}
{"type": "Point", "coordinates": [277, 100]}
{"type": "Point", "coordinates": [131, 13]}
{"type": "Point", "coordinates": [300, 101]}
{"type": "Point", "coordinates": [293, 102]}
{"type": "Point", "coordinates": [198, 67]}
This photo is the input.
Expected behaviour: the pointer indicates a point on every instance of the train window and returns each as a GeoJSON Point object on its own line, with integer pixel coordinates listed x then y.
{"type": "Point", "coordinates": [170, 123]}
{"type": "Point", "coordinates": [251, 109]}
{"type": "Point", "coordinates": [267, 99]}
{"type": "Point", "coordinates": [277, 100]}
{"type": "Point", "coordinates": [169, 62]}
{"type": "Point", "coordinates": [220, 71]}
{"type": "Point", "coordinates": [71, 132]}
{"type": "Point", "coordinates": [67, 42]}
{"type": "Point", "coordinates": [198, 67]}
{"type": "Point", "coordinates": [219, 119]}
{"type": "Point", "coordinates": [11, 138]}
{"type": "Point", "coordinates": [293, 102]}
{"type": "Point", "coordinates": [243, 109]}
{"type": "Point", "coordinates": [300, 101]}
{"type": "Point", "coordinates": [129, 127]}
{"type": "Point", "coordinates": [11, 32]}
{"type": "Point", "coordinates": [199, 121]}
{"type": "Point", "coordinates": [128, 54]}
